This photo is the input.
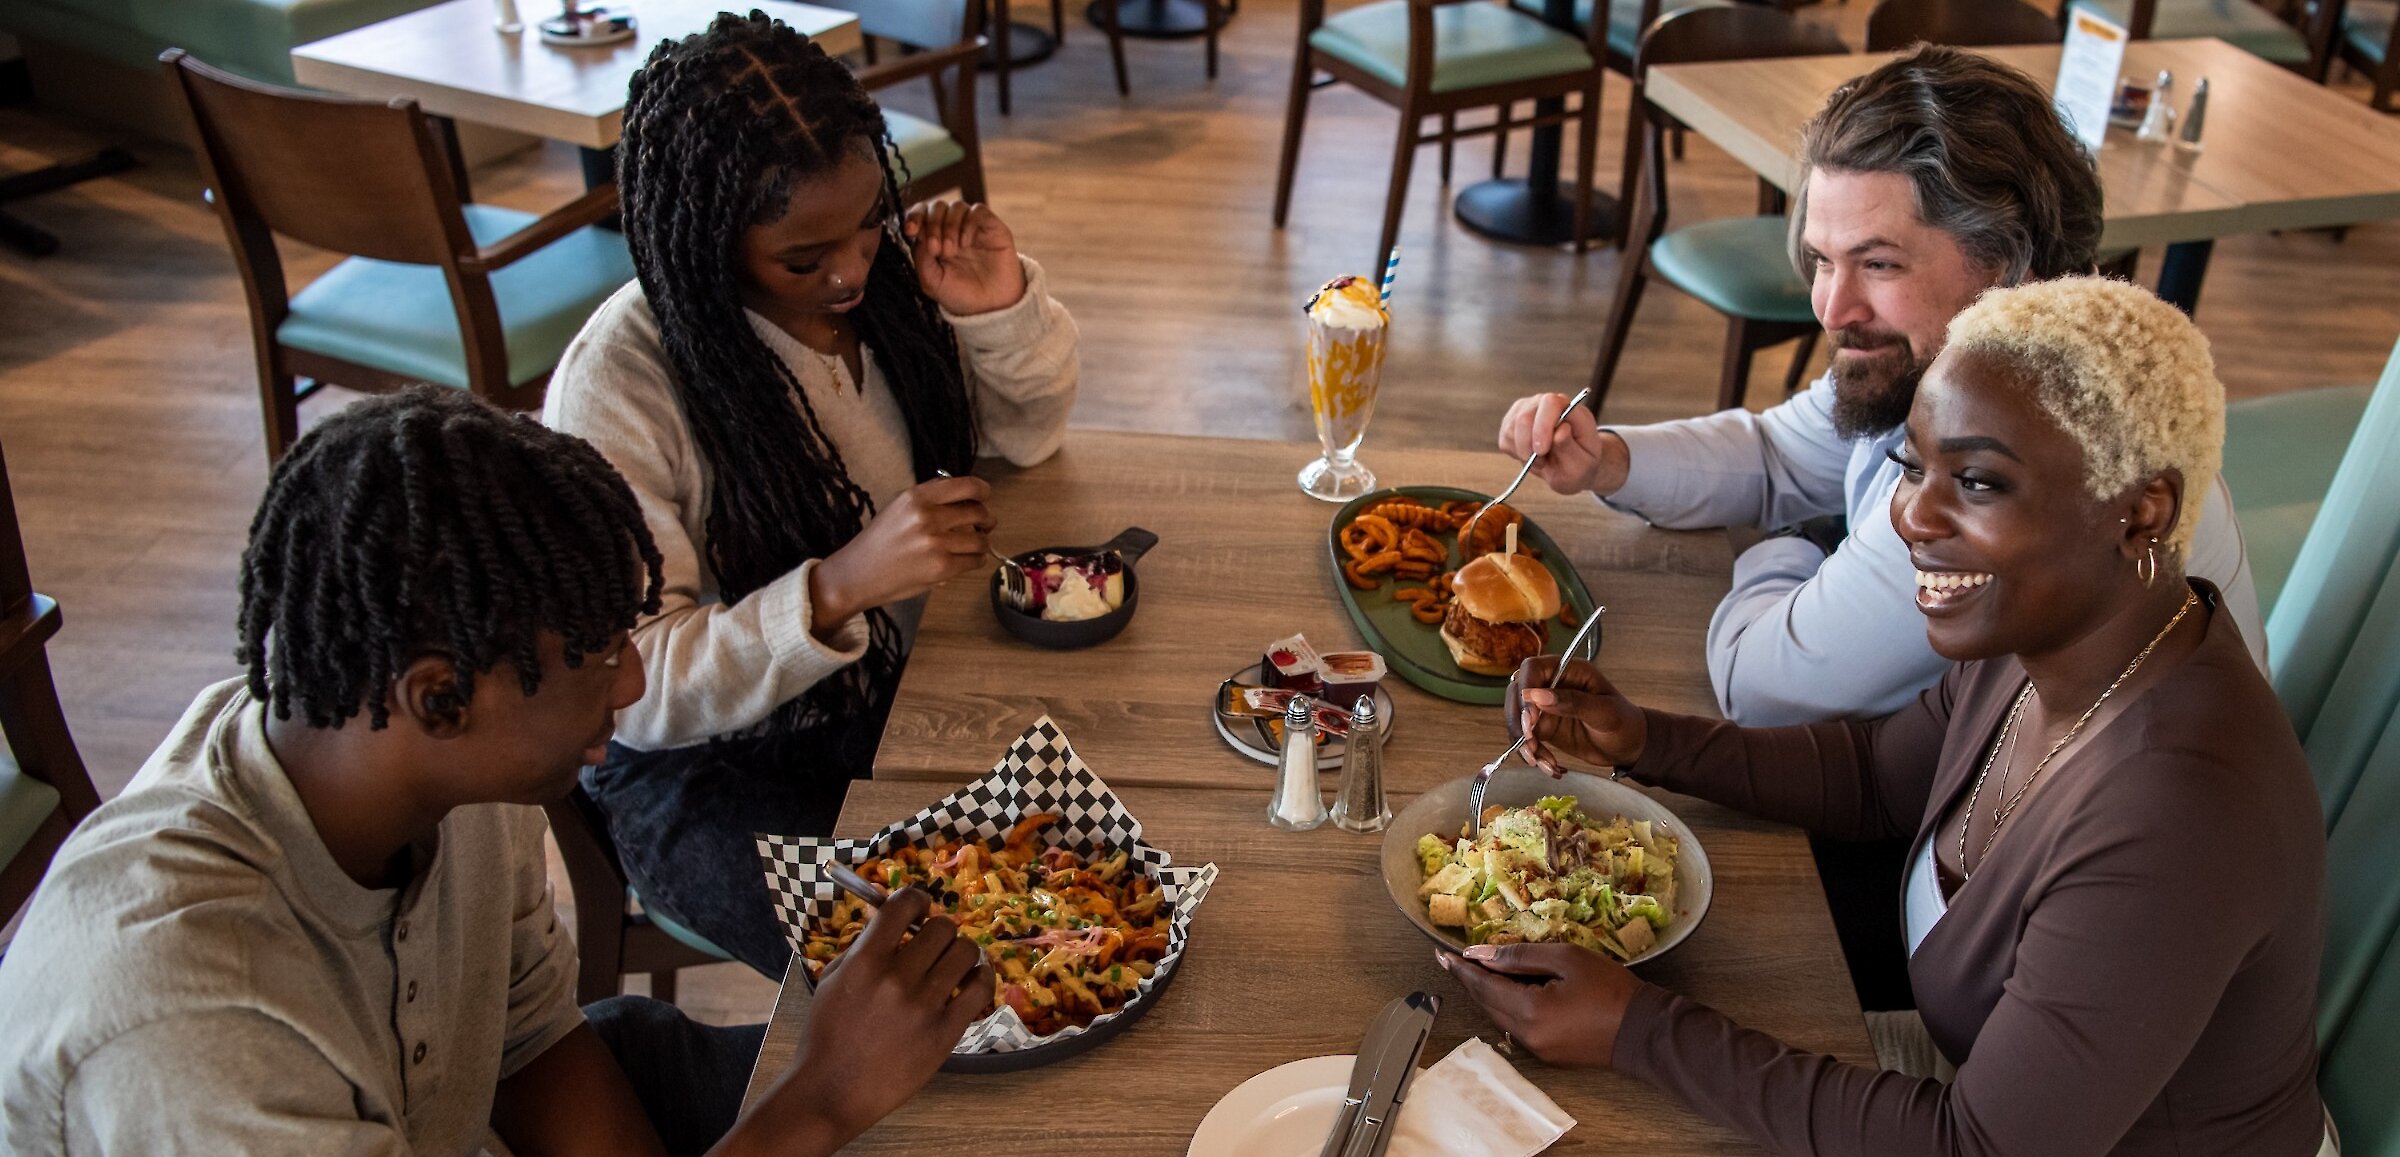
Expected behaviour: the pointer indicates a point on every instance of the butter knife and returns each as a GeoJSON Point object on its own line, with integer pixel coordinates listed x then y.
{"type": "Point", "coordinates": [1387, 1060]}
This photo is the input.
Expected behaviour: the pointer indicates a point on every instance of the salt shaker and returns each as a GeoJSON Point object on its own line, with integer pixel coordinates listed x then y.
{"type": "Point", "coordinates": [505, 17]}
{"type": "Point", "coordinates": [1359, 805]}
{"type": "Point", "coordinates": [1299, 804]}
{"type": "Point", "coordinates": [2189, 140]}
{"type": "Point", "coordinates": [2158, 124]}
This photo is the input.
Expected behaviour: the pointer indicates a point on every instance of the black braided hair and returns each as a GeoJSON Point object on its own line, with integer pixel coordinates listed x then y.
{"type": "Point", "coordinates": [718, 128]}
{"type": "Point", "coordinates": [427, 522]}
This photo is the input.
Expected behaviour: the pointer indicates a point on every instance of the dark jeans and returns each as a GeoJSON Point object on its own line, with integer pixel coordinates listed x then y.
{"type": "Point", "coordinates": [685, 823]}
{"type": "Point", "coordinates": [689, 1076]}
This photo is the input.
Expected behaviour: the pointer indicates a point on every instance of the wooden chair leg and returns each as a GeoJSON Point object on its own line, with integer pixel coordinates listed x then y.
{"type": "Point", "coordinates": [1735, 384]}
{"type": "Point", "coordinates": [662, 986]}
{"type": "Point", "coordinates": [1403, 158]}
{"type": "Point", "coordinates": [1058, 22]}
{"type": "Point", "coordinates": [1632, 275]}
{"type": "Point", "coordinates": [1675, 143]}
{"type": "Point", "coordinates": [1798, 373]}
{"type": "Point", "coordinates": [970, 183]}
{"type": "Point", "coordinates": [1587, 145]}
{"type": "Point", "coordinates": [1629, 170]}
{"type": "Point", "coordinates": [1000, 38]}
{"type": "Point", "coordinates": [1216, 24]}
{"type": "Point", "coordinates": [279, 393]}
{"type": "Point", "coordinates": [1500, 139]}
{"type": "Point", "coordinates": [1449, 141]}
{"type": "Point", "coordinates": [1295, 114]}
{"type": "Point", "coordinates": [1116, 47]}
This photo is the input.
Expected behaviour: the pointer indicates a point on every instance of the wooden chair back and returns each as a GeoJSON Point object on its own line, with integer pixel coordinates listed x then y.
{"type": "Point", "coordinates": [353, 176]}
{"type": "Point", "coordinates": [1896, 24]}
{"type": "Point", "coordinates": [31, 720]}
{"type": "Point", "coordinates": [1701, 36]}
{"type": "Point", "coordinates": [609, 941]}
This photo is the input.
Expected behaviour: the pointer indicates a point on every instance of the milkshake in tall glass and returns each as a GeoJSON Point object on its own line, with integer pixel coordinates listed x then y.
{"type": "Point", "coordinates": [1347, 324]}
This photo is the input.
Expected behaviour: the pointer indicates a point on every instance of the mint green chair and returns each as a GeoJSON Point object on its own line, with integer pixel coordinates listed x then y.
{"type": "Point", "coordinates": [471, 296]}
{"type": "Point", "coordinates": [1440, 58]}
{"type": "Point", "coordinates": [2240, 23]}
{"type": "Point", "coordinates": [939, 44]}
{"type": "Point", "coordinates": [2364, 34]}
{"type": "Point", "coordinates": [612, 937]}
{"type": "Point", "coordinates": [44, 789]}
{"type": "Point", "coordinates": [2277, 466]}
{"type": "Point", "coordinates": [1738, 266]}
{"type": "Point", "coordinates": [2334, 640]}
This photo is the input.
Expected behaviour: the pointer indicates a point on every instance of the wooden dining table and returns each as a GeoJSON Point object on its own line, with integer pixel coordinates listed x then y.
{"type": "Point", "coordinates": [1296, 948]}
{"type": "Point", "coordinates": [1299, 943]}
{"type": "Point", "coordinates": [2277, 151]}
{"type": "Point", "coordinates": [1243, 559]}
{"type": "Point", "coordinates": [450, 59]}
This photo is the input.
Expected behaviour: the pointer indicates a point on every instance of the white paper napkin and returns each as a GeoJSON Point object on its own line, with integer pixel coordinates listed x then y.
{"type": "Point", "coordinates": [1473, 1103]}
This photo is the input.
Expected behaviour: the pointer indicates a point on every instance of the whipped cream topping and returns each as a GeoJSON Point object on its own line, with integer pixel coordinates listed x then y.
{"type": "Point", "coordinates": [1349, 303]}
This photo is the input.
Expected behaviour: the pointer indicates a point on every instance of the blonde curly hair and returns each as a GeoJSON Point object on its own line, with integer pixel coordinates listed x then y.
{"type": "Point", "coordinates": [2128, 376]}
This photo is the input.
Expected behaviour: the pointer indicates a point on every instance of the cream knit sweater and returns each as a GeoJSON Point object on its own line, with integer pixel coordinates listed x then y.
{"type": "Point", "coordinates": [716, 667]}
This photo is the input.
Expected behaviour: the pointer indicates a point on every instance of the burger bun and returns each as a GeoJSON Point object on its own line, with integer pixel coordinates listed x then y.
{"type": "Point", "coordinates": [1505, 588]}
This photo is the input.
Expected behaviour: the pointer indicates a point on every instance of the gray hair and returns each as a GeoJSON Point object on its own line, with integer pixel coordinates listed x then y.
{"type": "Point", "coordinates": [1992, 164]}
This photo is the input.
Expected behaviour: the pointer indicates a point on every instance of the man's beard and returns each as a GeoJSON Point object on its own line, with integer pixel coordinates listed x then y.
{"type": "Point", "coordinates": [1874, 396]}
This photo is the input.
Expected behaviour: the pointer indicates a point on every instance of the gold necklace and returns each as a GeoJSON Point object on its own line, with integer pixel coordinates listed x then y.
{"type": "Point", "coordinates": [2008, 731]}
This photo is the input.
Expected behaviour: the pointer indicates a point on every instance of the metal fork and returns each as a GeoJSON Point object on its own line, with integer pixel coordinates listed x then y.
{"type": "Point", "coordinates": [1015, 585]}
{"type": "Point", "coordinates": [1483, 778]}
{"type": "Point", "coordinates": [1466, 532]}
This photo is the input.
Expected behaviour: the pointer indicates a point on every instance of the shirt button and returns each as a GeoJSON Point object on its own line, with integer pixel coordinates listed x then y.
{"type": "Point", "coordinates": [401, 934]}
{"type": "Point", "coordinates": [412, 992]}
{"type": "Point", "coordinates": [420, 1053]}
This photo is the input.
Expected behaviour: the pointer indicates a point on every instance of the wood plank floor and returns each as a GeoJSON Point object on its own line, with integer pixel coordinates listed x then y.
{"type": "Point", "coordinates": [129, 414]}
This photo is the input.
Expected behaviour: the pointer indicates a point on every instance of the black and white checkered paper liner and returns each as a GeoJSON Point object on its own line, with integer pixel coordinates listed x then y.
{"type": "Point", "coordinates": [1040, 775]}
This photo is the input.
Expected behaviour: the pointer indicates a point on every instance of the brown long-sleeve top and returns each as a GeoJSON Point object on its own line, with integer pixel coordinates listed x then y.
{"type": "Point", "coordinates": [2131, 970]}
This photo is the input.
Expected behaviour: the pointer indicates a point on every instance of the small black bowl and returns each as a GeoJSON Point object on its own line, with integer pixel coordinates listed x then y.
{"type": "Point", "coordinates": [1128, 546]}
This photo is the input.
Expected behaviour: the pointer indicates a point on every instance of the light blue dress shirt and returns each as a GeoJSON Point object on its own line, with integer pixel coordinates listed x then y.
{"type": "Point", "coordinates": [1803, 636]}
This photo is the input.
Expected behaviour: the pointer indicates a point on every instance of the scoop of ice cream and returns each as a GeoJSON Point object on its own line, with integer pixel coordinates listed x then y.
{"type": "Point", "coordinates": [1349, 303]}
{"type": "Point", "coordinates": [1076, 599]}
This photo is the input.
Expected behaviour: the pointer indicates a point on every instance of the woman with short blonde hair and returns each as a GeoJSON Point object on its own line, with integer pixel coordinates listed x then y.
{"type": "Point", "coordinates": [2098, 793]}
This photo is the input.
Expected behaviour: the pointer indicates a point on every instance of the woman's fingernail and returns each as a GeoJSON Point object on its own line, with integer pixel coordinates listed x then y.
{"type": "Point", "coordinates": [1482, 952]}
{"type": "Point", "coordinates": [1443, 959]}
{"type": "Point", "coordinates": [1539, 697]}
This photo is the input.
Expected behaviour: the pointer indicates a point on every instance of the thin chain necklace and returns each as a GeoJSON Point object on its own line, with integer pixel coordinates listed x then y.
{"type": "Point", "coordinates": [2008, 731]}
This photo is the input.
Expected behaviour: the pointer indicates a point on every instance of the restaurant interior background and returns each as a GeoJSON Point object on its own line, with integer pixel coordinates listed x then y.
{"type": "Point", "coordinates": [129, 406]}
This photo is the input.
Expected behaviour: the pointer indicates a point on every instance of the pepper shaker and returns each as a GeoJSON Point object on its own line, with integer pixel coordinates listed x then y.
{"type": "Point", "coordinates": [505, 19]}
{"type": "Point", "coordinates": [2158, 124]}
{"type": "Point", "coordinates": [2193, 117]}
{"type": "Point", "coordinates": [1359, 805]}
{"type": "Point", "coordinates": [1299, 804]}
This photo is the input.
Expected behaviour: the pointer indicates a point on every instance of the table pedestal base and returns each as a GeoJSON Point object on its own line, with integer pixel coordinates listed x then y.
{"type": "Point", "coordinates": [1510, 209]}
{"type": "Point", "coordinates": [1026, 45]}
{"type": "Point", "coordinates": [1155, 19]}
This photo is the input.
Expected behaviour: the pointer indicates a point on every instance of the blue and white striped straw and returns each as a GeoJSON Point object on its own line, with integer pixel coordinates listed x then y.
{"type": "Point", "coordinates": [1391, 274]}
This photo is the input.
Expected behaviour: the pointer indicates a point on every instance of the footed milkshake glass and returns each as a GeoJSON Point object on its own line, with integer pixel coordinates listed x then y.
{"type": "Point", "coordinates": [1347, 325]}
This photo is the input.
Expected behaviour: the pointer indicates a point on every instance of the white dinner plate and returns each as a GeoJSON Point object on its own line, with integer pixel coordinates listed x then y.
{"type": "Point", "coordinates": [1283, 1112]}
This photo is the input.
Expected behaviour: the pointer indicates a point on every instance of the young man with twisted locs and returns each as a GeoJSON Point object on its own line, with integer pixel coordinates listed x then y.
{"type": "Point", "coordinates": [318, 920]}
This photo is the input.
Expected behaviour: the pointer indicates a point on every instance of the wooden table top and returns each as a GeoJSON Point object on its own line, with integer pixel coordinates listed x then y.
{"type": "Point", "coordinates": [452, 62]}
{"type": "Point", "coordinates": [2280, 153]}
{"type": "Point", "coordinates": [1296, 948]}
{"type": "Point", "coordinates": [1241, 562]}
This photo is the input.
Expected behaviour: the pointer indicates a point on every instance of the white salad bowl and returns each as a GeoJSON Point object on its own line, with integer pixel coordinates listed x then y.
{"type": "Point", "coordinates": [1443, 812]}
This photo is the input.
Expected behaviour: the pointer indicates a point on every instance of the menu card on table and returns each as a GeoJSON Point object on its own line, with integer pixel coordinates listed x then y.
{"type": "Point", "coordinates": [2087, 75]}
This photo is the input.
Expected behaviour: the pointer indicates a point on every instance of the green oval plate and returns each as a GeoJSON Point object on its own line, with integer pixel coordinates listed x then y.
{"type": "Point", "coordinates": [1415, 650]}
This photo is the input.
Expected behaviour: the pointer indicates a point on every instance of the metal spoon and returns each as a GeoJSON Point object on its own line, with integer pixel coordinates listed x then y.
{"type": "Point", "coordinates": [1483, 778]}
{"type": "Point", "coordinates": [1465, 532]}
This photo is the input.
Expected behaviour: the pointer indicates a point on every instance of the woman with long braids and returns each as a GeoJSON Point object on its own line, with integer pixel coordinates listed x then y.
{"type": "Point", "coordinates": [783, 387]}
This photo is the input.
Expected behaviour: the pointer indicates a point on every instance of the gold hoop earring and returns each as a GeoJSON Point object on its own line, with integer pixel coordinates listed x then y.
{"type": "Point", "coordinates": [2147, 568]}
